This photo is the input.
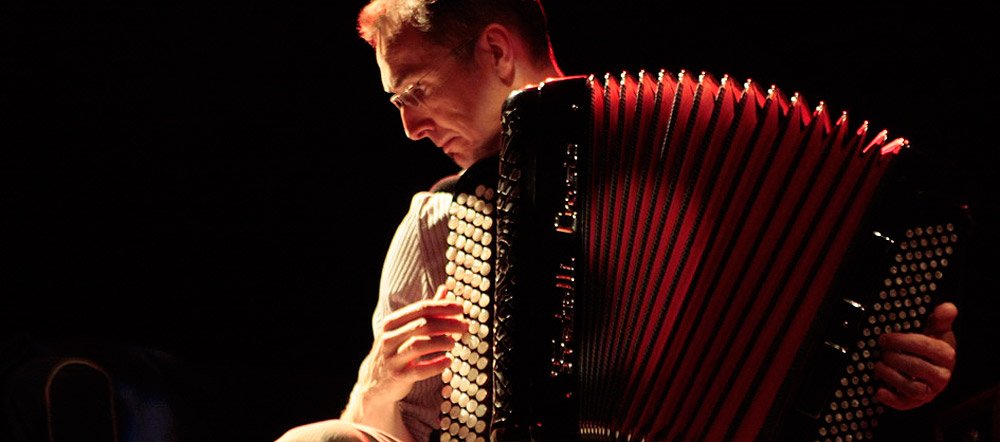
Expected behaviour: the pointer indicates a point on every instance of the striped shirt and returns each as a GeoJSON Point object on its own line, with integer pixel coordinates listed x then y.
{"type": "Point", "coordinates": [413, 269]}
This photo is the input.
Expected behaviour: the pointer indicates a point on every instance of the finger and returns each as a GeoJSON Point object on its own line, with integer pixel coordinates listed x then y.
{"type": "Point", "coordinates": [914, 368]}
{"type": "Point", "coordinates": [441, 293]}
{"type": "Point", "coordinates": [896, 401]}
{"type": "Point", "coordinates": [936, 351]}
{"type": "Point", "coordinates": [424, 327]}
{"type": "Point", "coordinates": [422, 347]}
{"type": "Point", "coordinates": [421, 309]}
{"type": "Point", "coordinates": [420, 370]}
{"type": "Point", "coordinates": [940, 321]}
{"type": "Point", "coordinates": [906, 383]}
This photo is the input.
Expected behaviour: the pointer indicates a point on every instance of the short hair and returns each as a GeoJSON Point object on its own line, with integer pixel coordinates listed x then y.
{"type": "Point", "coordinates": [452, 22]}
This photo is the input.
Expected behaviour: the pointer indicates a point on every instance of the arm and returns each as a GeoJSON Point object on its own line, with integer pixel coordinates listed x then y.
{"type": "Point", "coordinates": [408, 348]}
{"type": "Point", "coordinates": [409, 321]}
{"type": "Point", "coordinates": [917, 367]}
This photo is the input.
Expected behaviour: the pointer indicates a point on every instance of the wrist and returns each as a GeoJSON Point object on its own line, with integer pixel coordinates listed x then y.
{"type": "Point", "coordinates": [366, 407]}
{"type": "Point", "coordinates": [376, 412]}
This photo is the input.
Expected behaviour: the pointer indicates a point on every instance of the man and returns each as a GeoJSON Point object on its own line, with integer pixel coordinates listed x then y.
{"type": "Point", "coordinates": [450, 65]}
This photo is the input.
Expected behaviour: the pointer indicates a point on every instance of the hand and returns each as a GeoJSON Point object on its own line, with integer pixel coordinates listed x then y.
{"type": "Point", "coordinates": [917, 367]}
{"type": "Point", "coordinates": [409, 347]}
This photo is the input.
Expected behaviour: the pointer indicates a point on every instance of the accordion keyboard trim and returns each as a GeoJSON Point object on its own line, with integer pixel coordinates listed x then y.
{"type": "Point", "coordinates": [671, 240]}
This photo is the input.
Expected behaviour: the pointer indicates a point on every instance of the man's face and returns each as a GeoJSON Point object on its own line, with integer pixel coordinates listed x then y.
{"type": "Point", "coordinates": [460, 103]}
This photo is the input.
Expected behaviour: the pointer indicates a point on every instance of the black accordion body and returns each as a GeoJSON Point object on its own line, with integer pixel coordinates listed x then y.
{"type": "Point", "coordinates": [680, 258]}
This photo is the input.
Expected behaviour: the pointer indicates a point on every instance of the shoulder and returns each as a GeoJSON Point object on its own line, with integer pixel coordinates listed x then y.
{"type": "Point", "coordinates": [429, 208]}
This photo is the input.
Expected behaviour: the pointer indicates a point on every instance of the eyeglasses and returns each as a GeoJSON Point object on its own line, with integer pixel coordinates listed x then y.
{"type": "Point", "coordinates": [411, 96]}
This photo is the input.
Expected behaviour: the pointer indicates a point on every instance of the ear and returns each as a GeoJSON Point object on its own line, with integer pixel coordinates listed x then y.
{"type": "Point", "coordinates": [498, 46]}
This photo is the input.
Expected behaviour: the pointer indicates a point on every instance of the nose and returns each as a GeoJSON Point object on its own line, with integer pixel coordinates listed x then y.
{"type": "Point", "coordinates": [416, 123]}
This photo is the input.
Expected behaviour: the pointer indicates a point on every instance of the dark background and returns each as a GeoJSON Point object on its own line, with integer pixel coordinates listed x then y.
{"type": "Point", "coordinates": [219, 184]}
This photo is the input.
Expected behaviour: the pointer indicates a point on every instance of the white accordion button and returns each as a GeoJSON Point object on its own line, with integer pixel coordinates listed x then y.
{"type": "Point", "coordinates": [487, 238]}
{"type": "Point", "coordinates": [461, 198]}
{"type": "Point", "coordinates": [487, 222]}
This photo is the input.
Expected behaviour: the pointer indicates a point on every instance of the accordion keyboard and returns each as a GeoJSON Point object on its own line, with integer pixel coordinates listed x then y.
{"type": "Point", "coordinates": [467, 386]}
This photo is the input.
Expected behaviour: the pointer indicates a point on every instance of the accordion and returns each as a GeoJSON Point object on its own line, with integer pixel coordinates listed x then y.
{"type": "Point", "coordinates": [684, 258]}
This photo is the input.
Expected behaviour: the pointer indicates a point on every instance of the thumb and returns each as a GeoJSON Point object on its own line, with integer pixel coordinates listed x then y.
{"type": "Point", "coordinates": [441, 293]}
{"type": "Point", "coordinates": [941, 319]}
{"type": "Point", "coordinates": [939, 323]}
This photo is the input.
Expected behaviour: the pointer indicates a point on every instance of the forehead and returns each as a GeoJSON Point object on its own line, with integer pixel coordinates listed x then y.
{"type": "Point", "coordinates": [406, 56]}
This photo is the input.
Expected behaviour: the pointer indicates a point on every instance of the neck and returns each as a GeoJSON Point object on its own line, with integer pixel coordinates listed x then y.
{"type": "Point", "coordinates": [535, 75]}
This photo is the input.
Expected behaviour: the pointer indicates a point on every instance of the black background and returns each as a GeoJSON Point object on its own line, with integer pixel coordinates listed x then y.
{"type": "Point", "coordinates": [220, 183]}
